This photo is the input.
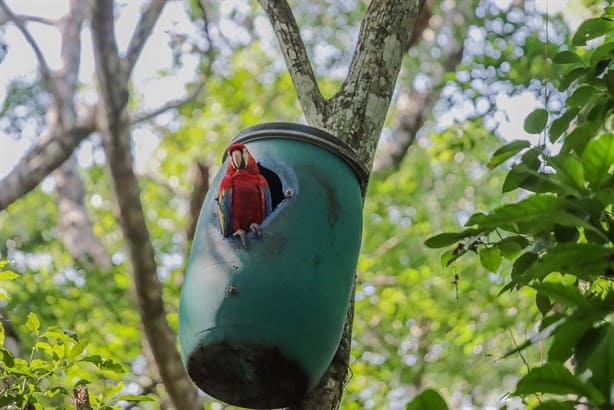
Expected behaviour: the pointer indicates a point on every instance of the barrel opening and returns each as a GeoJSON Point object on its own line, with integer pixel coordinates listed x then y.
{"type": "Point", "coordinates": [275, 185]}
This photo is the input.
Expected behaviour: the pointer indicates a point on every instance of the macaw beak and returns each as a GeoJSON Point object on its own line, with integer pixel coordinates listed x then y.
{"type": "Point", "coordinates": [237, 159]}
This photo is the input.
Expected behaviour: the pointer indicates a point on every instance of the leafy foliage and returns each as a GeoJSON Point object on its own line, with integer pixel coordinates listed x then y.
{"type": "Point", "coordinates": [562, 230]}
{"type": "Point", "coordinates": [45, 378]}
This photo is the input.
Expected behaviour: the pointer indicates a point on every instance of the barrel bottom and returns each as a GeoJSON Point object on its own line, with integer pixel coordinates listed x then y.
{"type": "Point", "coordinates": [247, 375]}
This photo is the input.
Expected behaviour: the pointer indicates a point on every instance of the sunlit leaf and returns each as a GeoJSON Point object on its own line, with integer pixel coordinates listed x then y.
{"type": "Point", "coordinates": [490, 258]}
{"type": "Point", "coordinates": [569, 170]}
{"type": "Point", "coordinates": [592, 28]}
{"type": "Point", "coordinates": [33, 323]}
{"type": "Point", "coordinates": [8, 275]}
{"type": "Point", "coordinates": [598, 159]}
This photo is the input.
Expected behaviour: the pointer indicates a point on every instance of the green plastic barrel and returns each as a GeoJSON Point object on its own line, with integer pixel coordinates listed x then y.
{"type": "Point", "coordinates": [259, 325]}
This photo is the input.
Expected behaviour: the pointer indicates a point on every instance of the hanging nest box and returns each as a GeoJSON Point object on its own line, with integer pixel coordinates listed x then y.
{"type": "Point", "coordinates": [259, 325]}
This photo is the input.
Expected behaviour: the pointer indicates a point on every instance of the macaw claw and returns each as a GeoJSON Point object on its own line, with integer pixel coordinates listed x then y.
{"type": "Point", "coordinates": [242, 235]}
{"type": "Point", "coordinates": [255, 228]}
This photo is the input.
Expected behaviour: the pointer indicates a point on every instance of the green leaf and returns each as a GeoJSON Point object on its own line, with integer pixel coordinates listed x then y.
{"type": "Point", "coordinates": [448, 238]}
{"type": "Point", "coordinates": [511, 246]}
{"type": "Point", "coordinates": [451, 255]}
{"type": "Point", "coordinates": [556, 405]}
{"type": "Point", "coordinates": [570, 77]}
{"type": "Point", "coordinates": [581, 96]}
{"type": "Point", "coordinates": [133, 397]}
{"type": "Point", "coordinates": [523, 263]}
{"type": "Point", "coordinates": [7, 357]}
{"type": "Point", "coordinates": [537, 209]}
{"type": "Point", "coordinates": [579, 137]}
{"type": "Point", "coordinates": [429, 399]}
{"type": "Point", "coordinates": [580, 259]}
{"type": "Point", "coordinates": [490, 258]}
{"type": "Point", "coordinates": [553, 378]}
{"type": "Point", "coordinates": [54, 391]}
{"type": "Point", "coordinates": [569, 170]}
{"type": "Point", "coordinates": [543, 303]}
{"type": "Point", "coordinates": [561, 124]}
{"type": "Point", "coordinates": [596, 353]}
{"type": "Point", "coordinates": [33, 323]}
{"type": "Point", "coordinates": [590, 29]}
{"type": "Point", "coordinates": [77, 349]}
{"type": "Point", "coordinates": [8, 275]}
{"type": "Point", "coordinates": [518, 174]}
{"type": "Point", "coordinates": [536, 121]}
{"type": "Point", "coordinates": [561, 293]}
{"type": "Point", "coordinates": [506, 152]}
{"type": "Point", "coordinates": [566, 57]}
{"type": "Point", "coordinates": [566, 337]}
{"type": "Point", "coordinates": [598, 159]}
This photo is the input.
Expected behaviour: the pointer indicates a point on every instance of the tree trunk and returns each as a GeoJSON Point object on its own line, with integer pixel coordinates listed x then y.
{"type": "Point", "coordinates": [355, 115]}
{"type": "Point", "coordinates": [113, 74]}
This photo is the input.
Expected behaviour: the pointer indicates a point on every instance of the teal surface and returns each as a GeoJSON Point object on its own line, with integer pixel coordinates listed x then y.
{"type": "Point", "coordinates": [290, 288]}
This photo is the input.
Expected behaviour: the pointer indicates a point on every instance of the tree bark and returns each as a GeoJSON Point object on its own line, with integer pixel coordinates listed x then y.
{"type": "Point", "coordinates": [82, 398]}
{"type": "Point", "coordinates": [113, 74]}
{"type": "Point", "coordinates": [355, 115]}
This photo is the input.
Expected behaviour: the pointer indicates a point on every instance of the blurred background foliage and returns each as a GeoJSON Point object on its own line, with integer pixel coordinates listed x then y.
{"type": "Point", "coordinates": [418, 324]}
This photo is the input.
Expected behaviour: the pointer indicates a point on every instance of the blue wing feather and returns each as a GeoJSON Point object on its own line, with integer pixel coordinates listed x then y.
{"type": "Point", "coordinates": [224, 201]}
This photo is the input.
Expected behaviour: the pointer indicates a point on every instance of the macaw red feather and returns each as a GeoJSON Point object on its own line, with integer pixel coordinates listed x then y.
{"type": "Point", "coordinates": [244, 196]}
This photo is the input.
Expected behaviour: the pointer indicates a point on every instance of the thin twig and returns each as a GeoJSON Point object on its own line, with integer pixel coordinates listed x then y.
{"type": "Point", "coordinates": [45, 71]}
{"type": "Point", "coordinates": [524, 359]}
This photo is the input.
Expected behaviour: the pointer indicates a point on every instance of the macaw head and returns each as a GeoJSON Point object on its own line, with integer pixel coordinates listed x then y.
{"type": "Point", "coordinates": [240, 158]}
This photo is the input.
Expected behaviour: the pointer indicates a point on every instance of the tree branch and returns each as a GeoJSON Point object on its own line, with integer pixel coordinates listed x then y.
{"type": "Point", "coordinates": [82, 398]}
{"type": "Point", "coordinates": [171, 105]}
{"type": "Point", "coordinates": [115, 126]}
{"type": "Point", "coordinates": [19, 22]}
{"type": "Point", "coordinates": [75, 224]}
{"type": "Point", "coordinates": [383, 39]}
{"type": "Point", "coordinates": [39, 162]}
{"type": "Point", "coordinates": [297, 60]}
{"type": "Point", "coordinates": [141, 33]}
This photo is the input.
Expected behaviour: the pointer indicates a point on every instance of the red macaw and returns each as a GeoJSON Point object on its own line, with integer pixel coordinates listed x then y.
{"type": "Point", "coordinates": [245, 197]}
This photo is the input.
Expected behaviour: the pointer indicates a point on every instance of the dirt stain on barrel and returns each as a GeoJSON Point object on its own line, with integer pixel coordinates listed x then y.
{"type": "Point", "coordinates": [332, 202]}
